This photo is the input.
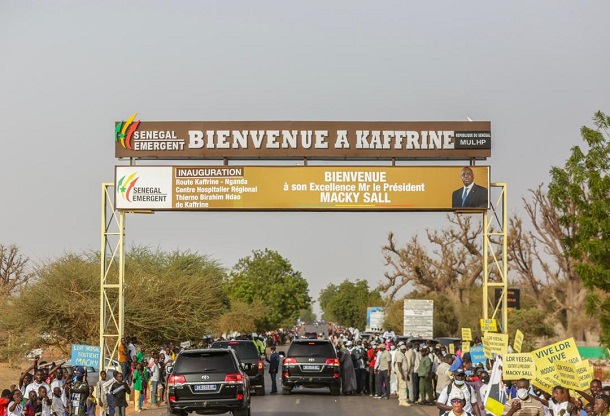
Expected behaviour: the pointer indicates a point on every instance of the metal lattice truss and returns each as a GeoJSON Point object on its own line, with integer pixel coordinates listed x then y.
{"type": "Point", "coordinates": [112, 289]}
{"type": "Point", "coordinates": [495, 269]}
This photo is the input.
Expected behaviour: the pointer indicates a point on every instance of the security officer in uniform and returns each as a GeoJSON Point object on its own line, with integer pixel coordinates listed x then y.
{"type": "Point", "coordinates": [78, 393]}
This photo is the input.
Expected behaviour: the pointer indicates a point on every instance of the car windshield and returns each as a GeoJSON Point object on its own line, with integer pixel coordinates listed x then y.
{"type": "Point", "coordinates": [312, 349]}
{"type": "Point", "coordinates": [217, 361]}
{"type": "Point", "coordinates": [244, 350]}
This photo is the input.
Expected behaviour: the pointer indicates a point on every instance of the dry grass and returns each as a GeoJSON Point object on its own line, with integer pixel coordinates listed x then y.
{"type": "Point", "coordinates": [10, 375]}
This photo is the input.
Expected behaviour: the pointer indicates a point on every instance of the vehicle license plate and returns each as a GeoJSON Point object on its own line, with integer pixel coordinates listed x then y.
{"type": "Point", "coordinates": [205, 387]}
{"type": "Point", "coordinates": [311, 367]}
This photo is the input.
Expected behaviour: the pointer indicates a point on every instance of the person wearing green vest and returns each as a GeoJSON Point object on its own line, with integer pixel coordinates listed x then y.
{"type": "Point", "coordinates": [424, 371]}
{"type": "Point", "coordinates": [260, 344]}
{"type": "Point", "coordinates": [138, 387]}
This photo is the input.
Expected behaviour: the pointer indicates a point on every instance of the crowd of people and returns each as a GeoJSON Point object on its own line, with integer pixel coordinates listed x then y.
{"type": "Point", "coordinates": [427, 373]}
{"type": "Point", "coordinates": [379, 366]}
{"type": "Point", "coordinates": [50, 389]}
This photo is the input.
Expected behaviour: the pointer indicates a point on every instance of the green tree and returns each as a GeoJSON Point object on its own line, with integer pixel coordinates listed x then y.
{"type": "Point", "coordinates": [168, 296]}
{"type": "Point", "coordinates": [347, 302]}
{"type": "Point", "coordinates": [580, 191]}
{"type": "Point", "coordinates": [268, 277]}
{"type": "Point", "coordinates": [307, 315]}
{"type": "Point", "coordinates": [544, 269]}
{"type": "Point", "coordinates": [533, 323]}
{"type": "Point", "coordinates": [62, 302]}
{"type": "Point", "coordinates": [241, 318]}
{"type": "Point", "coordinates": [325, 299]}
{"type": "Point", "coordinates": [172, 296]}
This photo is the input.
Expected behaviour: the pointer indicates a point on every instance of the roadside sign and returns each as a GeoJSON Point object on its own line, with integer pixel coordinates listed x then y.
{"type": "Point", "coordinates": [418, 318]}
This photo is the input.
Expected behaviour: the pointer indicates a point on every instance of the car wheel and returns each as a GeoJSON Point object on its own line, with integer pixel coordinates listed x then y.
{"type": "Point", "coordinates": [173, 412]}
{"type": "Point", "coordinates": [260, 391]}
{"type": "Point", "coordinates": [242, 412]}
{"type": "Point", "coordinates": [286, 390]}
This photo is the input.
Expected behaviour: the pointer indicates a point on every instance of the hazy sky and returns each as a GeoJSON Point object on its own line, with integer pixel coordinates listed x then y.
{"type": "Point", "coordinates": [537, 70]}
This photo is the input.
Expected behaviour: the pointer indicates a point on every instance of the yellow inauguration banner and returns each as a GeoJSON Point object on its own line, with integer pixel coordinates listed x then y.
{"type": "Point", "coordinates": [466, 346]}
{"type": "Point", "coordinates": [298, 188]}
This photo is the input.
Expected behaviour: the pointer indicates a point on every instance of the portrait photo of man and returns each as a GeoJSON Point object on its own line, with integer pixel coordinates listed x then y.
{"type": "Point", "coordinates": [470, 195]}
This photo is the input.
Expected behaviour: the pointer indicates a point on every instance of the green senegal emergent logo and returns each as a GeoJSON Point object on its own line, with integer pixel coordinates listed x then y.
{"type": "Point", "coordinates": [126, 184]}
{"type": "Point", "coordinates": [124, 131]}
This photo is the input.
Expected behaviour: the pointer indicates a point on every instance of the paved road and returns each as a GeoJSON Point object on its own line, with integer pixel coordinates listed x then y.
{"type": "Point", "coordinates": [310, 402]}
{"type": "Point", "coordinates": [320, 328]}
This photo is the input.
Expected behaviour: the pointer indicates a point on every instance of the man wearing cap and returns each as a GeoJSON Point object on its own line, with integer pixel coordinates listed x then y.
{"type": "Point", "coordinates": [424, 373]}
{"type": "Point", "coordinates": [274, 365]}
{"type": "Point", "coordinates": [382, 372]}
{"type": "Point", "coordinates": [401, 369]}
{"type": "Point", "coordinates": [459, 383]}
{"type": "Point", "coordinates": [458, 401]}
{"type": "Point", "coordinates": [78, 393]}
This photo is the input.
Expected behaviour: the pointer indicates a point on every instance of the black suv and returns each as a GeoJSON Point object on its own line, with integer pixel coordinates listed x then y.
{"type": "Point", "coordinates": [311, 363]}
{"type": "Point", "coordinates": [248, 354]}
{"type": "Point", "coordinates": [208, 381]}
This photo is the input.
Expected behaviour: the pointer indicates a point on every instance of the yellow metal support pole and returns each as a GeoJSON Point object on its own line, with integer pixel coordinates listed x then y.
{"type": "Point", "coordinates": [102, 275]}
{"type": "Point", "coordinates": [112, 272]}
{"type": "Point", "coordinates": [495, 230]}
{"type": "Point", "coordinates": [485, 269]}
{"type": "Point", "coordinates": [121, 279]}
{"type": "Point", "coordinates": [505, 263]}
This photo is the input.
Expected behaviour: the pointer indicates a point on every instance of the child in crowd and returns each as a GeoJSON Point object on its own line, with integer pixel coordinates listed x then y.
{"type": "Point", "coordinates": [91, 402]}
{"type": "Point", "coordinates": [589, 409]}
{"type": "Point", "coordinates": [45, 401]}
{"type": "Point", "coordinates": [5, 399]}
{"type": "Point", "coordinates": [138, 387]}
{"type": "Point", "coordinates": [33, 407]}
{"type": "Point", "coordinates": [119, 390]}
{"type": "Point", "coordinates": [58, 403]}
{"type": "Point", "coordinates": [14, 407]}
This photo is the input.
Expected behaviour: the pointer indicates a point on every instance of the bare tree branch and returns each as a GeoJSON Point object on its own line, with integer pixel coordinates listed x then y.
{"type": "Point", "coordinates": [541, 262]}
{"type": "Point", "coordinates": [452, 265]}
{"type": "Point", "coordinates": [14, 273]}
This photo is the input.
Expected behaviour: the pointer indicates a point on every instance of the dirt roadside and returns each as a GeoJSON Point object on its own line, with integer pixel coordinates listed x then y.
{"type": "Point", "coordinates": [10, 375]}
